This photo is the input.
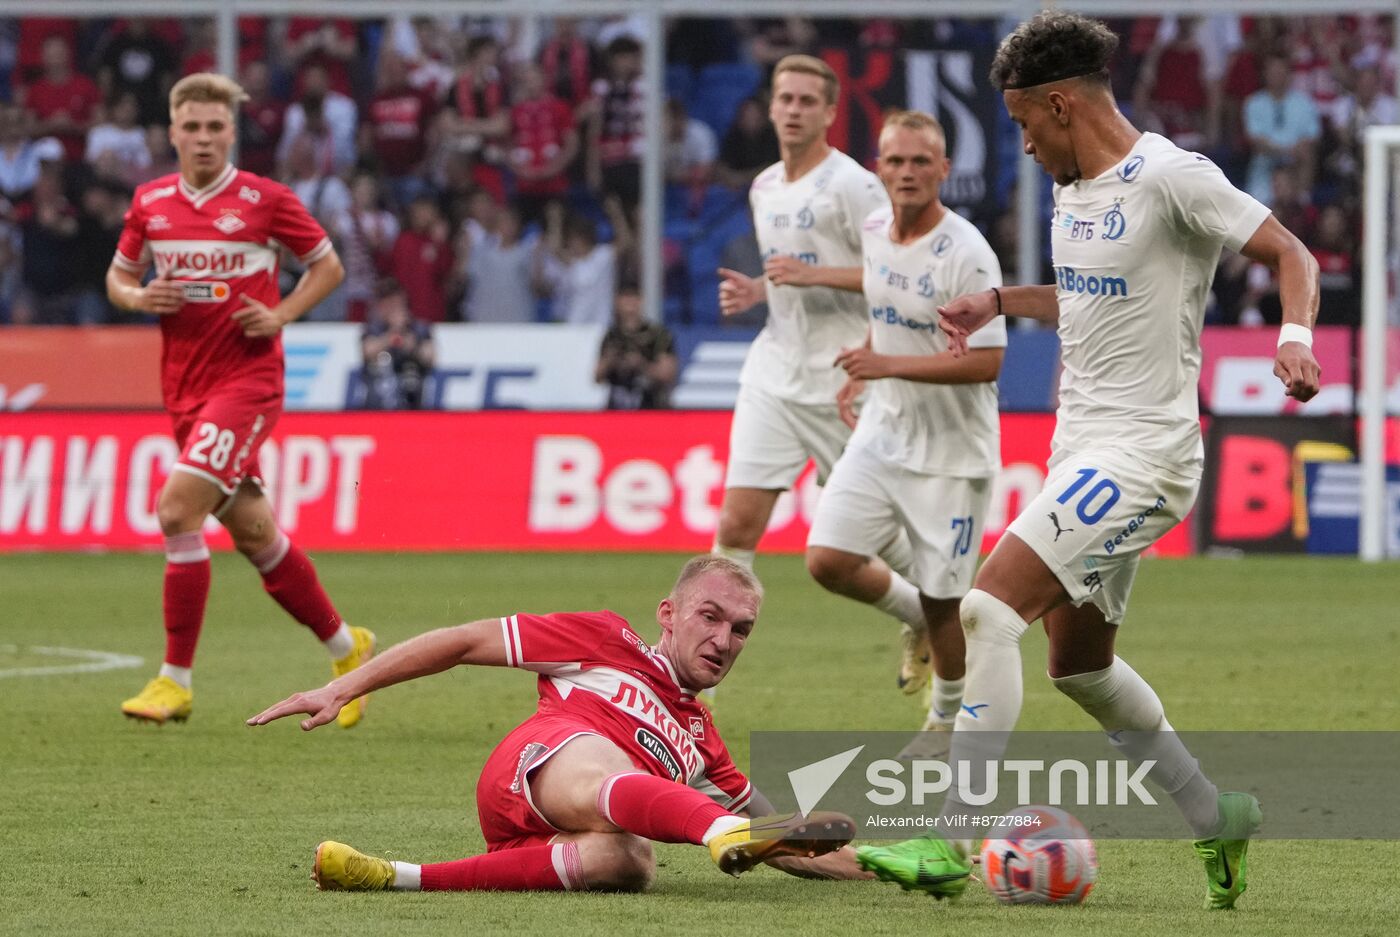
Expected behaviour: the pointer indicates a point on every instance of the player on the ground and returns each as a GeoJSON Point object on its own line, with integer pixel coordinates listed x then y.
{"type": "Point", "coordinates": [618, 754]}
{"type": "Point", "coordinates": [807, 213]}
{"type": "Point", "coordinates": [927, 444]}
{"type": "Point", "coordinates": [213, 233]}
{"type": "Point", "coordinates": [1137, 232]}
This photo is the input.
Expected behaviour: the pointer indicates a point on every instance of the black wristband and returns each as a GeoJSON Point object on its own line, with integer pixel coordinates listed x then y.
{"type": "Point", "coordinates": [997, 293]}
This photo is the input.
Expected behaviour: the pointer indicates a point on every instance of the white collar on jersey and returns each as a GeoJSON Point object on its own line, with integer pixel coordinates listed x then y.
{"type": "Point", "coordinates": [198, 197]}
{"type": "Point", "coordinates": [658, 658]}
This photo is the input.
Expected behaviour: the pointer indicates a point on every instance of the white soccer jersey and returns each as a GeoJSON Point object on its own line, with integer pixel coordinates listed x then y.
{"type": "Point", "coordinates": [817, 220]}
{"type": "Point", "coordinates": [944, 429]}
{"type": "Point", "coordinates": [1135, 250]}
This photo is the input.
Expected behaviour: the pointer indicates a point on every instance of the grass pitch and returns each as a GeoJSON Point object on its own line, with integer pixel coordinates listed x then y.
{"type": "Point", "coordinates": [207, 828]}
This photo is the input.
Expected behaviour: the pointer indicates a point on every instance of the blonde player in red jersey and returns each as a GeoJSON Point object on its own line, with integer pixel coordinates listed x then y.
{"type": "Point", "coordinates": [617, 755]}
{"type": "Point", "coordinates": [213, 234]}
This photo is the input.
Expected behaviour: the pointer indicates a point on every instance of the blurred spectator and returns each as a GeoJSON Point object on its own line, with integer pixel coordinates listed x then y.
{"type": "Point", "coordinates": [260, 122]}
{"type": "Point", "coordinates": [1173, 93]}
{"type": "Point", "coordinates": [133, 60]}
{"type": "Point", "coordinates": [11, 268]}
{"type": "Point", "coordinates": [21, 155]}
{"type": "Point", "coordinates": [326, 44]}
{"type": "Point", "coordinates": [476, 119]}
{"type": "Point", "coordinates": [501, 266]}
{"type": "Point", "coordinates": [1319, 69]}
{"type": "Point", "coordinates": [1333, 247]}
{"type": "Point", "coordinates": [616, 126]}
{"type": "Point", "coordinates": [398, 352]}
{"type": "Point", "coordinates": [750, 146]}
{"type": "Point", "coordinates": [1283, 129]}
{"type": "Point", "coordinates": [202, 37]}
{"type": "Point", "coordinates": [421, 260]}
{"type": "Point", "coordinates": [1292, 204]}
{"type": "Point", "coordinates": [543, 144]}
{"type": "Point", "coordinates": [691, 148]}
{"type": "Point", "coordinates": [100, 216]}
{"type": "Point", "coordinates": [34, 33]}
{"type": "Point", "coordinates": [1244, 75]}
{"type": "Point", "coordinates": [117, 147]}
{"type": "Point", "coordinates": [1366, 106]}
{"type": "Point", "coordinates": [49, 229]}
{"type": "Point", "coordinates": [397, 122]}
{"type": "Point", "coordinates": [63, 101]}
{"type": "Point", "coordinates": [567, 61]}
{"type": "Point", "coordinates": [424, 43]}
{"type": "Point", "coordinates": [580, 272]}
{"type": "Point", "coordinates": [366, 234]}
{"type": "Point", "coordinates": [637, 359]}
{"type": "Point", "coordinates": [163, 160]}
{"type": "Point", "coordinates": [771, 38]}
{"type": "Point", "coordinates": [337, 113]}
{"type": "Point", "coordinates": [321, 191]}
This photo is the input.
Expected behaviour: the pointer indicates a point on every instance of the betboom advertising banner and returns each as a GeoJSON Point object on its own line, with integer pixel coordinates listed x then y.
{"type": "Point", "coordinates": [438, 481]}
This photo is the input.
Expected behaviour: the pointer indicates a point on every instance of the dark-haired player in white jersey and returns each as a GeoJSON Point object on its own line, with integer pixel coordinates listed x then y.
{"type": "Point", "coordinates": [618, 754]}
{"type": "Point", "coordinates": [807, 213]}
{"type": "Point", "coordinates": [927, 443]}
{"type": "Point", "coordinates": [1138, 229]}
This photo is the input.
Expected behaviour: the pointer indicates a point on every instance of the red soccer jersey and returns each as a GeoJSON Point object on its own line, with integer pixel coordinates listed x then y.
{"type": "Point", "coordinates": [221, 242]}
{"type": "Point", "coordinates": [594, 668]}
{"type": "Point", "coordinates": [538, 131]}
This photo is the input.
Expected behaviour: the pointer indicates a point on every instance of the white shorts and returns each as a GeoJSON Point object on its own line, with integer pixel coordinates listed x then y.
{"type": "Point", "coordinates": [1096, 514]}
{"type": "Point", "coordinates": [771, 439]}
{"type": "Point", "coordinates": [867, 501]}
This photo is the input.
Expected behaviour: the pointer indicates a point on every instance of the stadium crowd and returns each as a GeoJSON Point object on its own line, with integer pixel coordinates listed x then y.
{"type": "Point", "coordinates": [491, 167]}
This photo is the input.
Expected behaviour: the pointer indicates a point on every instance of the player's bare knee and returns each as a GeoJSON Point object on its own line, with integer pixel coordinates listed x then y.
{"type": "Point", "coordinates": [832, 569]}
{"type": "Point", "coordinates": [617, 862]}
{"type": "Point", "coordinates": [177, 514]}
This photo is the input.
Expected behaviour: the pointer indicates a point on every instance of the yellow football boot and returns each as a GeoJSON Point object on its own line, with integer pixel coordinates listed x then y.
{"type": "Point", "coordinates": [354, 711]}
{"type": "Point", "coordinates": [162, 699]}
{"type": "Point", "coordinates": [338, 867]}
{"type": "Point", "coordinates": [787, 834]}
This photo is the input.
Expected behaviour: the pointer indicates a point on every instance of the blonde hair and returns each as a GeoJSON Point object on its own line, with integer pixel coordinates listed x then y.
{"type": "Point", "coordinates": [914, 120]}
{"type": "Point", "coordinates": [810, 65]}
{"type": "Point", "coordinates": [206, 88]}
{"type": "Point", "coordinates": [698, 566]}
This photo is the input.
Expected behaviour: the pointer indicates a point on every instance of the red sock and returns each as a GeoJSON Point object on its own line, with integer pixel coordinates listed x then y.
{"type": "Point", "coordinates": [529, 868]}
{"type": "Point", "coordinates": [658, 809]}
{"type": "Point", "coordinates": [290, 579]}
{"type": "Point", "coordinates": [186, 590]}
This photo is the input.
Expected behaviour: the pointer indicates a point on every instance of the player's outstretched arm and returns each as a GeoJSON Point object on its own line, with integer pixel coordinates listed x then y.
{"type": "Point", "coordinates": [789, 271]}
{"type": "Point", "coordinates": [975, 366]}
{"type": "Point", "coordinates": [739, 292]}
{"type": "Point", "coordinates": [160, 297]}
{"type": "Point", "coordinates": [1277, 248]}
{"type": "Point", "coordinates": [478, 642]}
{"type": "Point", "coordinates": [968, 313]}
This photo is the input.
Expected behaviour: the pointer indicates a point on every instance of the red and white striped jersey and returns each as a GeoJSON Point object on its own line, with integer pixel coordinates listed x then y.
{"type": "Point", "coordinates": [596, 669]}
{"type": "Point", "coordinates": [221, 243]}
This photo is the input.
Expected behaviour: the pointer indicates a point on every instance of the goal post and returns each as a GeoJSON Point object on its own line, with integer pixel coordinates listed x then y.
{"type": "Point", "coordinates": [1377, 254]}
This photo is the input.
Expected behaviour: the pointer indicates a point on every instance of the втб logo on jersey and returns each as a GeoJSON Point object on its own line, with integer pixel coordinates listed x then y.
{"type": "Point", "coordinates": [1080, 229]}
{"type": "Point", "coordinates": [1072, 281]}
{"type": "Point", "coordinates": [1114, 224]}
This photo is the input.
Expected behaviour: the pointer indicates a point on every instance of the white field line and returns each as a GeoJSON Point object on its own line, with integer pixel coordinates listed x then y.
{"type": "Point", "coordinates": [88, 661]}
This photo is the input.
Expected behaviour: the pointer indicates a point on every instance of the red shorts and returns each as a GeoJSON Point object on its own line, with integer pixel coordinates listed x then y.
{"type": "Point", "coordinates": [508, 816]}
{"type": "Point", "coordinates": [220, 440]}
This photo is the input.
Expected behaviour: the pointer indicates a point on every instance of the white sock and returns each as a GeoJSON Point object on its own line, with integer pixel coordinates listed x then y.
{"type": "Point", "coordinates": [743, 557]}
{"type": "Point", "coordinates": [1131, 713]}
{"type": "Point", "coordinates": [946, 701]}
{"type": "Point", "coordinates": [407, 877]}
{"type": "Point", "coordinates": [902, 601]}
{"type": "Point", "coordinates": [181, 675]}
{"type": "Point", "coordinates": [341, 643]}
{"type": "Point", "coordinates": [991, 696]}
{"type": "Point", "coordinates": [721, 826]}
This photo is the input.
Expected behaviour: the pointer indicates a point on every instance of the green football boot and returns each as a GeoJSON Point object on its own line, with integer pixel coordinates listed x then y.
{"type": "Point", "coordinates": [929, 864]}
{"type": "Point", "coordinates": [1224, 855]}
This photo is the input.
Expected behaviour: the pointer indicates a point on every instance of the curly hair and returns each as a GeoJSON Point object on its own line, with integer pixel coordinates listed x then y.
{"type": "Point", "coordinates": [1052, 46]}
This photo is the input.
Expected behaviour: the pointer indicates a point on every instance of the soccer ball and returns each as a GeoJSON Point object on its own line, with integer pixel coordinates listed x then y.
{"type": "Point", "coordinates": [1039, 855]}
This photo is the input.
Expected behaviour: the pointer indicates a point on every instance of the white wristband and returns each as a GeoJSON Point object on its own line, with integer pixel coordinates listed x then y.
{"type": "Point", "coordinates": [1293, 332]}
